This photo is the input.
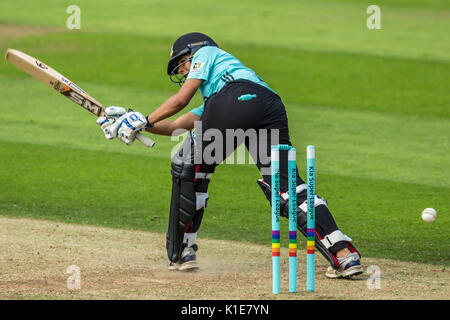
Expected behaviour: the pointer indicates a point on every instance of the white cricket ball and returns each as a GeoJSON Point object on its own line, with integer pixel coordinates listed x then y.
{"type": "Point", "coordinates": [429, 215]}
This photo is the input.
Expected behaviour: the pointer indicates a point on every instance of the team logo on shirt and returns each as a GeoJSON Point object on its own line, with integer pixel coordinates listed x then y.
{"type": "Point", "coordinates": [197, 66]}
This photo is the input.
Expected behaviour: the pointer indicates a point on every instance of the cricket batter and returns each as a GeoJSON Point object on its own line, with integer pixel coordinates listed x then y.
{"type": "Point", "coordinates": [235, 98]}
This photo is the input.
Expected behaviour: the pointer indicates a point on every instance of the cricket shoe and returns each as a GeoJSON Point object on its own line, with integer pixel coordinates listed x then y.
{"type": "Point", "coordinates": [187, 262]}
{"type": "Point", "coordinates": [348, 267]}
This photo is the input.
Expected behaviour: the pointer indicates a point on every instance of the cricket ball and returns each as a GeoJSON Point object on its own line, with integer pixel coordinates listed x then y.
{"type": "Point", "coordinates": [429, 215]}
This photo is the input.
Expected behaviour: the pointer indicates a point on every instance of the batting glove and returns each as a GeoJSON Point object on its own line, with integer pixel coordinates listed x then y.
{"type": "Point", "coordinates": [128, 126]}
{"type": "Point", "coordinates": [110, 116]}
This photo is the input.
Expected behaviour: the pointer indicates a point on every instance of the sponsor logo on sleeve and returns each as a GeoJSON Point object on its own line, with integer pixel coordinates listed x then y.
{"type": "Point", "coordinates": [197, 66]}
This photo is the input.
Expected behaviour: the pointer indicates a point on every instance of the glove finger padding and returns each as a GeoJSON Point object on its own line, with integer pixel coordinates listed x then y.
{"type": "Point", "coordinates": [105, 124]}
{"type": "Point", "coordinates": [100, 121]}
{"type": "Point", "coordinates": [114, 112]}
{"type": "Point", "coordinates": [114, 127]}
{"type": "Point", "coordinates": [110, 116]}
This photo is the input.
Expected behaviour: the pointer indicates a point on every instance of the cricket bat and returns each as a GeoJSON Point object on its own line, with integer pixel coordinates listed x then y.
{"type": "Point", "coordinates": [54, 79]}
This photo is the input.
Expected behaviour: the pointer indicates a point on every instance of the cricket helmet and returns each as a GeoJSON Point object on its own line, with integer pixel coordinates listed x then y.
{"type": "Point", "coordinates": [187, 43]}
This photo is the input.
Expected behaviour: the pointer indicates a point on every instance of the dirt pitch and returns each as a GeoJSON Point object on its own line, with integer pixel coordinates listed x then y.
{"type": "Point", "coordinates": [126, 264]}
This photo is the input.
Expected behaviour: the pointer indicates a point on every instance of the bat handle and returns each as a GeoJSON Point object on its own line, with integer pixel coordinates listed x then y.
{"type": "Point", "coordinates": [145, 140]}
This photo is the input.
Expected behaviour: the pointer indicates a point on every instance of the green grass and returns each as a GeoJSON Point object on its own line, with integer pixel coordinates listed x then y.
{"type": "Point", "coordinates": [237, 211]}
{"type": "Point", "coordinates": [416, 30]}
{"type": "Point", "coordinates": [375, 103]}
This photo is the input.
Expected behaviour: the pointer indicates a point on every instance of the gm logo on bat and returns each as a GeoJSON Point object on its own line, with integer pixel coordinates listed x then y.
{"type": "Point", "coordinates": [41, 65]}
{"type": "Point", "coordinates": [80, 100]}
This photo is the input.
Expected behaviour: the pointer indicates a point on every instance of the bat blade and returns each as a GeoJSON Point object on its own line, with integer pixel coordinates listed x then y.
{"type": "Point", "coordinates": [63, 85]}
{"type": "Point", "coordinates": [54, 79]}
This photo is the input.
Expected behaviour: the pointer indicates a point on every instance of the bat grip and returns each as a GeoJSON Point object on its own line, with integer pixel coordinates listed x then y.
{"type": "Point", "coordinates": [145, 140]}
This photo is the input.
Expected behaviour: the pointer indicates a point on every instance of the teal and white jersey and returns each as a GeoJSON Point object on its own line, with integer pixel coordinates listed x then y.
{"type": "Point", "coordinates": [217, 67]}
{"type": "Point", "coordinates": [198, 111]}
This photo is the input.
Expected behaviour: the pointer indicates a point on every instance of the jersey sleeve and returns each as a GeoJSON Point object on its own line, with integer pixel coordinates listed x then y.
{"type": "Point", "coordinates": [198, 111]}
{"type": "Point", "coordinates": [201, 64]}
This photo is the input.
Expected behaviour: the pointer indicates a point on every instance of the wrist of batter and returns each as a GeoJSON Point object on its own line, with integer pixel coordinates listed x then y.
{"type": "Point", "coordinates": [149, 124]}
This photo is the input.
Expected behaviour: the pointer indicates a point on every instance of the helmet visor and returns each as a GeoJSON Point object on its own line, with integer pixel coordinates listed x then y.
{"type": "Point", "coordinates": [175, 76]}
